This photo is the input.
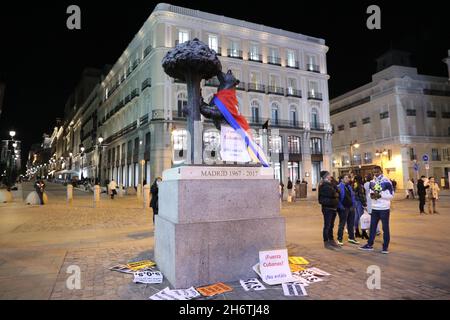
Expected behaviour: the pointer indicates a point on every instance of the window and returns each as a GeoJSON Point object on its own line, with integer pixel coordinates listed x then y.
{"type": "Point", "coordinates": [313, 87]}
{"type": "Point", "coordinates": [384, 115]}
{"type": "Point", "coordinates": [411, 112]}
{"type": "Point", "coordinates": [366, 120]}
{"type": "Point", "coordinates": [294, 144]}
{"type": "Point", "coordinates": [274, 118]}
{"type": "Point", "coordinates": [255, 112]}
{"type": "Point", "coordinates": [182, 103]}
{"type": "Point", "coordinates": [316, 145]}
{"type": "Point", "coordinates": [234, 50]}
{"type": "Point", "coordinates": [254, 52]}
{"type": "Point", "coordinates": [435, 155]}
{"type": "Point", "coordinates": [123, 151]}
{"type": "Point", "coordinates": [412, 154]}
{"type": "Point", "coordinates": [183, 36]}
{"type": "Point", "coordinates": [273, 81]}
{"type": "Point", "coordinates": [314, 119]}
{"type": "Point", "coordinates": [431, 114]}
{"type": "Point", "coordinates": [254, 78]}
{"type": "Point", "coordinates": [341, 127]}
{"type": "Point", "coordinates": [445, 115]}
{"type": "Point", "coordinates": [129, 148]}
{"type": "Point", "coordinates": [291, 61]}
{"type": "Point", "coordinates": [136, 146]}
{"type": "Point", "coordinates": [446, 154]}
{"type": "Point", "coordinates": [276, 144]}
{"type": "Point", "coordinates": [274, 56]}
{"type": "Point", "coordinates": [291, 85]}
{"type": "Point", "coordinates": [213, 42]}
{"type": "Point", "coordinates": [147, 141]}
{"type": "Point", "coordinates": [367, 157]}
{"type": "Point", "coordinates": [352, 124]}
{"type": "Point", "coordinates": [293, 116]}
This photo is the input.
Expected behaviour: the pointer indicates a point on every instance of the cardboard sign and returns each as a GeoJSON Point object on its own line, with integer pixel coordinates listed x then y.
{"type": "Point", "coordinates": [138, 265]}
{"type": "Point", "coordinates": [318, 272]}
{"type": "Point", "coordinates": [295, 267]}
{"type": "Point", "coordinates": [274, 266]}
{"type": "Point", "coordinates": [121, 268]}
{"type": "Point", "coordinates": [167, 294]}
{"type": "Point", "coordinates": [148, 277]}
{"type": "Point", "coordinates": [232, 147]}
{"type": "Point", "coordinates": [214, 289]}
{"type": "Point", "coordinates": [298, 260]}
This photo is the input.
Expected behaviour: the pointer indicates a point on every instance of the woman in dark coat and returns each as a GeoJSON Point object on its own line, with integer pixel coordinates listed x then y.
{"type": "Point", "coordinates": [154, 202]}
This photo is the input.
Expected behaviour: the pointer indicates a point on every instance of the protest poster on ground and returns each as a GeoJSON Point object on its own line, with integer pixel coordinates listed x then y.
{"type": "Point", "coordinates": [274, 267]}
{"type": "Point", "coordinates": [318, 272]}
{"type": "Point", "coordinates": [296, 267]}
{"type": "Point", "coordinates": [214, 289]}
{"type": "Point", "coordinates": [139, 265]}
{"type": "Point", "coordinates": [294, 289]}
{"type": "Point", "coordinates": [148, 277]}
{"type": "Point", "coordinates": [121, 268]}
{"type": "Point", "coordinates": [298, 260]}
{"type": "Point", "coordinates": [252, 284]}
{"type": "Point", "coordinates": [298, 278]}
{"type": "Point", "coordinates": [183, 294]}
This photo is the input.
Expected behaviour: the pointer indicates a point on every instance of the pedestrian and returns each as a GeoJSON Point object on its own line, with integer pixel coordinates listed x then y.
{"type": "Point", "coordinates": [39, 186]}
{"type": "Point", "coordinates": [282, 190]}
{"type": "Point", "coordinates": [154, 203]}
{"type": "Point", "coordinates": [112, 188]}
{"type": "Point", "coordinates": [381, 194]}
{"type": "Point", "coordinates": [422, 187]}
{"type": "Point", "coordinates": [410, 189]}
{"type": "Point", "coordinates": [432, 195]}
{"type": "Point", "coordinates": [289, 187]}
{"type": "Point", "coordinates": [346, 210]}
{"type": "Point", "coordinates": [394, 184]}
{"type": "Point", "coordinates": [361, 203]}
{"type": "Point", "coordinates": [329, 199]}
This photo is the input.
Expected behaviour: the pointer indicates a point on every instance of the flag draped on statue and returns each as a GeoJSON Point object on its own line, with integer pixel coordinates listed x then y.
{"type": "Point", "coordinates": [227, 103]}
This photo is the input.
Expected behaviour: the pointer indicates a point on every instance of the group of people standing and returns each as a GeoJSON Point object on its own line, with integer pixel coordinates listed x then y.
{"type": "Point", "coordinates": [348, 199]}
{"type": "Point", "coordinates": [427, 189]}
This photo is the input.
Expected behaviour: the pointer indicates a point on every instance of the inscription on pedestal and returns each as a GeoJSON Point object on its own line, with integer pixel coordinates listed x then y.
{"type": "Point", "coordinates": [204, 172]}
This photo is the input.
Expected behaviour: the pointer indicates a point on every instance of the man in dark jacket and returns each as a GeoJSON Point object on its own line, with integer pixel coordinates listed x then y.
{"type": "Point", "coordinates": [346, 210]}
{"type": "Point", "coordinates": [154, 189]}
{"type": "Point", "coordinates": [329, 199]}
{"type": "Point", "coordinates": [421, 192]}
{"type": "Point", "coordinates": [39, 186]}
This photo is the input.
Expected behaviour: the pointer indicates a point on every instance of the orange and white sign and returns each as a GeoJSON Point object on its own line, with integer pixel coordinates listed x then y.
{"type": "Point", "coordinates": [214, 289]}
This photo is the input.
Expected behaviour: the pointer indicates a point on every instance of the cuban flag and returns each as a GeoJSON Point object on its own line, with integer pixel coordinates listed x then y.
{"type": "Point", "coordinates": [227, 103]}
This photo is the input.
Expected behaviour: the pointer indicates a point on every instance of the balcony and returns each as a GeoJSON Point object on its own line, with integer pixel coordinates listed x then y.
{"type": "Point", "coordinates": [317, 126]}
{"type": "Point", "coordinates": [288, 124]}
{"type": "Point", "coordinates": [316, 151]}
{"type": "Point", "coordinates": [146, 84]}
{"type": "Point", "coordinates": [178, 115]}
{"type": "Point", "coordinates": [256, 87]}
{"type": "Point", "coordinates": [276, 90]}
{"type": "Point", "coordinates": [255, 57]}
{"type": "Point", "coordinates": [292, 64]}
{"type": "Point", "coordinates": [312, 95]}
{"type": "Point", "coordinates": [213, 82]}
{"type": "Point", "coordinates": [143, 120]}
{"type": "Point", "coordinates": [274, 60]}
{"type": "Point", "coordinates": [291, 92]}
{"type": "Point", "coordinates": [232, 53]}
{"type": "Point", "coordinates": [313, 68]}
{"type": "Point", "coordinates": [147, 51]}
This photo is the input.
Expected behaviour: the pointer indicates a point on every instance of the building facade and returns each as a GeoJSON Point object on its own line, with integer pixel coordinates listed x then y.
{"type": "Point", "coordinates": [137, 109]}
{"type": "Point", "coordinates": [394, 120]}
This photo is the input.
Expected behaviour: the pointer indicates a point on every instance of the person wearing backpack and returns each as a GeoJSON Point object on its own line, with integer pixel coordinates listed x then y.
{"type": "Point", "coordinates": [329, 200]}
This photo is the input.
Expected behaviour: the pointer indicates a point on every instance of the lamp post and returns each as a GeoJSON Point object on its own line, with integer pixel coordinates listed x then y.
{"type": "Point", "coordinates": [353, 144]}
{"type": "Point", "coordinates": [82, 151]}
{"type": "Point", "coordinates": [97, 175]}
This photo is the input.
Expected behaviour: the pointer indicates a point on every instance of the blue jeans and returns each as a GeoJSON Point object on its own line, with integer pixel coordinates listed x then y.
{"type": "Point", "coordinates": [346, 217]}
{"type": "Point", "coordinates": [329, 216]}
{"type": "Point", "coordinates": [376, 216]}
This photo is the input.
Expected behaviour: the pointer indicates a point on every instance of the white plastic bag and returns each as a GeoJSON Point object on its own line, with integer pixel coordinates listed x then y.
{"type": "Point", "coordinates": [365, 221]}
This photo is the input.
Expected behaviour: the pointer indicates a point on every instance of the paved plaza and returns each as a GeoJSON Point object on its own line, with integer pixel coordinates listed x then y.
{"type": "Point", "coordinates": [38, 244]}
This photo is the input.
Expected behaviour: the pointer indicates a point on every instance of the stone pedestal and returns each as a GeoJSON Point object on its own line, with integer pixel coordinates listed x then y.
{"type": "Point", "coordinates": [69, 193]}
{"type": "Point", "coordinates": [5, 196]}
{"type": "Point", "coordinates": [213, 221]}
{"type": "Point", "coordinates": [120, 191]}
{"type": "Point", "coordinates": [96, 195]}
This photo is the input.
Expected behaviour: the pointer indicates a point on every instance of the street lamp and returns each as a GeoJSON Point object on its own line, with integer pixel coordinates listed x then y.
{"type": "Point", "coordinates": [12, 133]}
{"type": "Point", "coordinates": [82, 150]}
{"type": "Point", "coordinates": [97, 175]}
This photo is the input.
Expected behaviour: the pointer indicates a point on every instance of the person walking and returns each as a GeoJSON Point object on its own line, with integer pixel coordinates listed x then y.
{"type": "Point", "coordinates": [410, 189]}
{"type": "Point", "coordinates": [282, 190]}
{"type": "Point", "coordinates": [432, 195]}
{"type": "Point", "coordinates": [154, 203]}
{"type": "Point", "coordinates": [361, 203]}
{"type": "Point", "coordinates": [329, 200]}
{"type": "Point", "coordinates": [381, 194]}
{"type": "Point", "coordinates": [112, 188]}
{"type": "Point", "coordinates": [289, 188]}
{"type": "Point", "coordinates": [422, 187]}
{"type": "Point", "coordinates": [346, 211]}
{"type": "Point", "coordinates": [394, 184]}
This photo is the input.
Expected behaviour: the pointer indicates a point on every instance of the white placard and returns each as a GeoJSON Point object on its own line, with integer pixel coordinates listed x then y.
{"type": "Point", "coordinates": [252, 284]}
{"type": "Point", "coordinates": [274, 267]}
{"type": "Point", "coordinates": [183, 294]}
{"type": "Point", "coordinates": [148, 277]}
{"type": "Point", "coordinates": [294, 289]}
{"type": "Point", "coordinates": [232, 146]}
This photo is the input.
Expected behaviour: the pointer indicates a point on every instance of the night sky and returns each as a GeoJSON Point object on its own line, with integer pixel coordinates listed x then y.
{"type": "Point", "coordinates": [41, 60]}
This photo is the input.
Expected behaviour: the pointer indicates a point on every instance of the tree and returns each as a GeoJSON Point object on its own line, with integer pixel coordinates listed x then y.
{"type": "Point", "coordinates": [191, 62]}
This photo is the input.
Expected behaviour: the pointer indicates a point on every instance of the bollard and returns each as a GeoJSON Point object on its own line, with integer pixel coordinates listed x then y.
{"type": "Point", "coordinates": [139, 191]}
{"type": "Point", "coordinates": [69, 193]}
{"type": "Point", "coordinates": [96, 195]}
{"type": "Point", "coordinates": [120, 192]}
{"type": "Point", "coordinates": [146, 196]}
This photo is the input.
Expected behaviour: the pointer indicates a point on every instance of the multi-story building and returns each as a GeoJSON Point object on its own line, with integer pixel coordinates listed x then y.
{"type": "Point", "coordinates": [283, 79]}
{"type": "Point", "coordinates": [395, 120]}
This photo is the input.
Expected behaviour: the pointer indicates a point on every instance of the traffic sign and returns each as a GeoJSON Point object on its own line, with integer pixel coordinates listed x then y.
{"type": "Point", "coordinates": [425, 158]}
{"type": "Point", "coordinates": [416, 167]}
